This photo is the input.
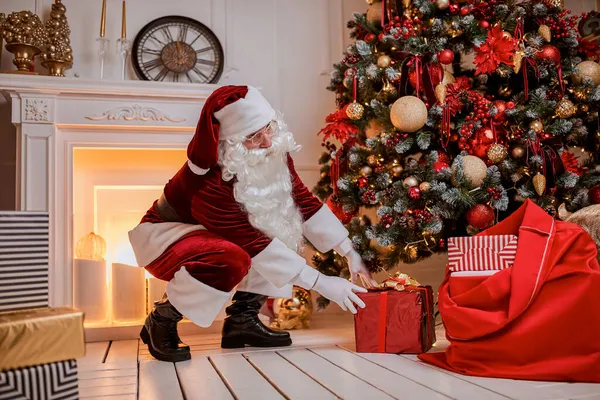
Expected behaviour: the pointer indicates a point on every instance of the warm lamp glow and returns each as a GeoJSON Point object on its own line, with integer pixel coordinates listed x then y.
{"type": "Point", "coordinates": [91, 247]}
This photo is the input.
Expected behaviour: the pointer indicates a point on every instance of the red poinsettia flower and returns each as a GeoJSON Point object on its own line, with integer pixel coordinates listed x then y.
{"type": "Point", "coordinates": [590, 48]}
{"type": "Point", "coordinates": [456, 92]}
{"type": "Point", "coordinates": [497, 49]}
{"type": "Point", "coordinates": [571, 164]}
{"type": "Point", "coordinates": [339, 126]}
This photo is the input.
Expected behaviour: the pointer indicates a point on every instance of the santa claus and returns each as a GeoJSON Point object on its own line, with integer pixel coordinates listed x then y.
{"type": "Point", "coordinates": [234, 218]}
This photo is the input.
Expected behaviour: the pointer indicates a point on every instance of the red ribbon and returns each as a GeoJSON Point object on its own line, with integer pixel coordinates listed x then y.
{"type": "Point", "coordinates": [536, 72]}
{"type": "Point", "coordinates": [422, 63]}
{"type": "Point", "coordinates": [382, 329]}
{"type": "Point", "coordinates": [354, 85]}
{"type": "Point", "coordinates": [560, 79]}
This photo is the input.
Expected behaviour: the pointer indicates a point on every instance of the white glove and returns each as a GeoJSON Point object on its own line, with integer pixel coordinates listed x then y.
{"type": "Point", "coordinates": [355, 263]}
{"type": "Point", "coordinates": [340, 291]}
{"type": "Point", "coordinates": [357, 268]}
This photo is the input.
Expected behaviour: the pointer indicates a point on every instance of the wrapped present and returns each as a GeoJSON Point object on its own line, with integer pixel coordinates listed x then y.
{"type": "Point", "coordinates": [41, 382]}
{"type": "Point", "coordinates": [398, 318]}
{"type": "Point", "coordinates": [40, 336]}
{"type": "Point", "coordinates": [481, 253]}
{"type": "Point", "coordinates": [23, 260]}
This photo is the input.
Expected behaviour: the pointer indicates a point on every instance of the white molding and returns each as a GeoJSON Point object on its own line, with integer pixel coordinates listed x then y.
{"type": "Point", "coordinates": [134, 112]}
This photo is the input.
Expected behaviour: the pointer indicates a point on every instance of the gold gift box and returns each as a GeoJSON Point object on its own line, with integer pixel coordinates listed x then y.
{"type": "Point", "coordinates": [40, 336]}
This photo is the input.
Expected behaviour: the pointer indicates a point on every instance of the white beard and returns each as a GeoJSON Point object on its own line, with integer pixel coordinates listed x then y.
{"type": "Point", "coordinates": [264, 187]}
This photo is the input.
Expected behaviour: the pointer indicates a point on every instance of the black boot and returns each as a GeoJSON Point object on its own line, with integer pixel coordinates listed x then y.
{"type": "Point", "coordinates": [160, 333]}
{"type": "Point", "coordinates": [243, 327]}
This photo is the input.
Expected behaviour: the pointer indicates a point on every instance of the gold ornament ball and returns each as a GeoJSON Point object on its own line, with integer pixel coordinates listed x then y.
{"type": "Point", "coordinates": [411, 181]}
{"type": "Point", "coordinates": [374, 13]}
{"type": "Point", "coordinates": [536, 125]}
{"type": "Point", "coordinates": [506, 35]}
{"type": "Point", "coordinates": [497, 153]}
{"type": "Point", "coordinates": [397, 170]}
{"type": "Point", "coordinates": [384, 61]}
{"type": "Point", "coordinates": [366, 170]}
{"type": "Point", "coordinates": [442, 4]}
{"type": "Point", "coordinates": [372, 160]}
{"type": "Point", "coordinates": [355, 110]}
{"type": "Point", "coordinates": [295, 312]}
{"type": "Point", "coordinates": [518, 152]}
{"type": "Point", "coordinates": [565, 108]}
{"type": "Point", "coordinates": [425, 186]}
{"type": "Point", "coordinates": [587, 69]}
{"type": "Point", "coordinates": [475, 170]}
{"type": "Point", "coordinates": [408, 114]}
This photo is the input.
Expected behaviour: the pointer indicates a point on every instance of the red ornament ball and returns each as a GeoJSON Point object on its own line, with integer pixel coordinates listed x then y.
{"type": "Point", "coordinates": [594, 194]}
{"type": "Point", "coordinates": [338, 210]}
{"type": "Point", "coordinates": [435, 71]}
{"type": "Point", "coordinates": [440, 166]}
{"type": "Point", "coordinates": [442, 243]}
{"type": "Point", "coordinates": [446, 56]}
{"type": "Point", "coordinates": [480, 216]}
{"type": "Point", "coordinates": [370, 37]}
{"type": "Point", "coordinates": [480, 150]}
{"type": "Point", "coordinates": [454, 8]}
{"type": "Point", "coordinates": [501, 107]}
{"type": "Point", "coordinates": [414, 193]}
{"type": "Point", "coordinates": [549, 54]}
{"type": "Point", "coordinates": [443, 157]}
{"type": "Point", "coordinates": [380, 37]}
{"type": "Point", "coordinates": [510, 105]}
{"type": "Point", "coordinates": [363, 182]}
{"type": "Point", "coordinates": [484, 24]}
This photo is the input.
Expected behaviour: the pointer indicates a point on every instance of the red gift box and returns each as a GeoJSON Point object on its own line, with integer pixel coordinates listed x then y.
{"type": "Point", "coordinates": [395, 321]}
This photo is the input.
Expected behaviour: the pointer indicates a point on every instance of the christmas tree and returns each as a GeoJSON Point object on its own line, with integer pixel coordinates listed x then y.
{"type": "Point", "coordinates": [451, 114]}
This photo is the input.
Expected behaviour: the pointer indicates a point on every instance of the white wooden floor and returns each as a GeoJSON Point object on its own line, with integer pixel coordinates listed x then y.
{"type": "Point", "coordinates": [320, 365]}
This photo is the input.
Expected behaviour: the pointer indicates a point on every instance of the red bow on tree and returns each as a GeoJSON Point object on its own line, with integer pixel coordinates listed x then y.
{"type": "Point", "coordinates": [339, 126]}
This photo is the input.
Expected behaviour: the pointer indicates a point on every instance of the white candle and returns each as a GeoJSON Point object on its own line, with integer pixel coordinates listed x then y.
{"type": "Point", "coordinates": [128, 293]}
{"type": "Point", "coordinates": [90, 293]}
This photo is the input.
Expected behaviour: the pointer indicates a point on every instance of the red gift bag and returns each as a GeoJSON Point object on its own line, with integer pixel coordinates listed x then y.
{"type": "Point", "coordinates": [395, 321]}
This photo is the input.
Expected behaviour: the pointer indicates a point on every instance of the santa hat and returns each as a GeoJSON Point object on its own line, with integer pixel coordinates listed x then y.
{"type": "Point", "coordinates": [230, 111]}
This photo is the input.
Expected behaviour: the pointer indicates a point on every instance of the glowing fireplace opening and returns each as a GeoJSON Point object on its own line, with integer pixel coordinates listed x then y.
{"type": "Point", "coordinates": [112, 190]}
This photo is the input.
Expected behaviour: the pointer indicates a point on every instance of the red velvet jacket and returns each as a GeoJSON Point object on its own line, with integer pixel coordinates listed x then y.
{"type": "Point", "coordinates": [208, 200]}
{"type": "Point", "coordinates": [537, 320]}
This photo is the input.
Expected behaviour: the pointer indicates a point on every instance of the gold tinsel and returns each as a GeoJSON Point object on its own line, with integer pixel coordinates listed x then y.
{"type": "Point", "coordinates": [355, 110]}
{"type": "Point", "coordinates": [545, 33]}
{"type": "Point", "coordinates": [565, 108]}
{"type": "Point", "coordinates": [539, 184]}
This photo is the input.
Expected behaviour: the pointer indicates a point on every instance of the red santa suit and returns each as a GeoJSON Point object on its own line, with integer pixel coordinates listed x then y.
{"type": "Point", "coordinates": [537, 320]}
{"type": "Point", "coordinates": [197, 236]}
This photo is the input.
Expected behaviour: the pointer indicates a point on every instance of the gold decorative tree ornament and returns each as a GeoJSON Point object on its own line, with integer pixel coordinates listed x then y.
{"type": "Point", "coordinates": [25, 37]}
{"type": "Point", "coordinates": [58, 55]}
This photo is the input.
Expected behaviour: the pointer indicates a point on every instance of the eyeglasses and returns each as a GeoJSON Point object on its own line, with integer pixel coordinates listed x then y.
{"type": "Point", "coordinates": [259, 136]}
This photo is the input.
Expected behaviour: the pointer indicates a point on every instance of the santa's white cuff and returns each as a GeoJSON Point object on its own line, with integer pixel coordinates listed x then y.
{"type": "Point", "coordinates": [306, 278]}
{"type": "Point", "coordinates": [324, 230]}
{"type": "Point", "coordinates": [278, 264]}
{"type": "Point", "coordinates": [199, 302]}
{"type": "Point", "coordinates": [344, 247]}
{"type": "Point", "coordinates": [256, 283]}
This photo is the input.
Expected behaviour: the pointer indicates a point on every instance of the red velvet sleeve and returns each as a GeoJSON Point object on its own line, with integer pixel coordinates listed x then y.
{"type": "Point", "coordinates": [215, 207]}
{"type": "Point", "coordinates": [307, 203]}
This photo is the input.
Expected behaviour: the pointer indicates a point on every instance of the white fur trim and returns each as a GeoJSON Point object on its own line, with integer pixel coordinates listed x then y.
{"type": "Point", "coordinates": [306, 278]}
{"type": "Point", "coordinates": [245, 116]}
{"type": "Point", "coordinates": [256, 283]}
{"type": "Point", "coordinates": [150, 240]}
{"type": "Point", "coordinates": [324, 230]}
{"type": "Point", "coordinates": [278, 264]}
{"type": "Point", "coordinates": [196, 169]}
{"type": "Point", "coordinates": [199, 302]}
{"type": "Point", "coordinates": [344, 247]}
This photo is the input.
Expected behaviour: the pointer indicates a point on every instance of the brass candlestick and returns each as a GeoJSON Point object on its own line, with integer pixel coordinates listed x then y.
{"type": "Point", "coordinates": [25, 37]}
{"type": "Point", "coordinates": [58, 55]}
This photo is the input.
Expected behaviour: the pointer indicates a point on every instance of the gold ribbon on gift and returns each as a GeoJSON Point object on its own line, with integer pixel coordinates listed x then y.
{"type": "Point", "coordinates": [397, 282]}
{"type": "Point", "coordinates": [40, 336]}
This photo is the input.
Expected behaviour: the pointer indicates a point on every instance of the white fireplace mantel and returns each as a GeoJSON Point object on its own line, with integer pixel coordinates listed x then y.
{"type": "Point", "coordinates": [55, 115]}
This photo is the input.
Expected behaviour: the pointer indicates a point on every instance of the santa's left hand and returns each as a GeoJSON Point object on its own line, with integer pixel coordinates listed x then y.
{"type": "Point", "coordinates": [358, 268]}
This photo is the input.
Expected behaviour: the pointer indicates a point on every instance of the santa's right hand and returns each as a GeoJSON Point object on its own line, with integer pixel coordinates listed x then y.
{"type": "Point", "coordinates": [340, 291]}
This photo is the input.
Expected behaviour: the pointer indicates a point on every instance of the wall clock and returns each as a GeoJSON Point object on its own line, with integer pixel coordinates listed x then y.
{"type": "Point", "coordinates": [177, 49]}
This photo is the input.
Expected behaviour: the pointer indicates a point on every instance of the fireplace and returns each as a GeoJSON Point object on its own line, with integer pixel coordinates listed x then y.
{"type": "Point", "coordinates": [96, 155]}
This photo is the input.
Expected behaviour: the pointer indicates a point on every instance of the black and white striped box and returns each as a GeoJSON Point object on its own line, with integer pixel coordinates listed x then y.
{"type": "Point", "coordinates": [24, 251]}
{"type": "Point", "coordinates": [41, 382]}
